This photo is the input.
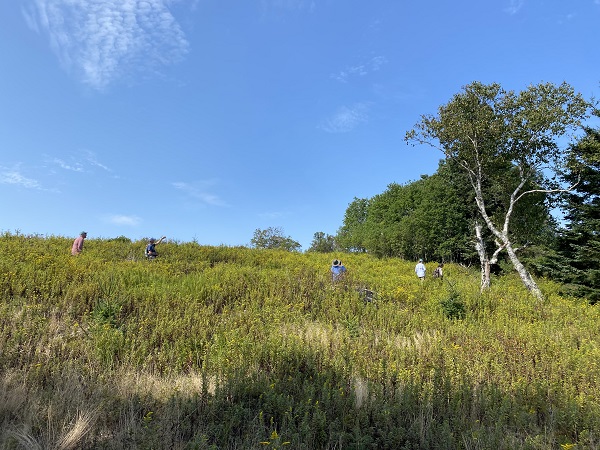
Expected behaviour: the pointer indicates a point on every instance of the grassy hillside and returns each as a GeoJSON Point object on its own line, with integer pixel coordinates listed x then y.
{"type": "Point", "coordinates": [234, 348]}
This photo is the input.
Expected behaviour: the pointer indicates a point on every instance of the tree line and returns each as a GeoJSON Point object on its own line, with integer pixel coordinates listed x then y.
{"type": "Point", "coordinates": [504, 172]}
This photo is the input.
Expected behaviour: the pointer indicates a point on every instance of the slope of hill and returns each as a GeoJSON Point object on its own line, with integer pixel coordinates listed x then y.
{"type": "Point", "coordinates": [222, 348]}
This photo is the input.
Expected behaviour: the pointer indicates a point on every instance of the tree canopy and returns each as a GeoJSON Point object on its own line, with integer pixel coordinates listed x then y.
{"type": "Point", "coordinates": [322, 243]}
{"type": "Point", "coordinates": [432, 218]}
{"type": "Point", "coordinates": [353, 233]}
{"type": "Point", "coordinates": [505, 142]}
{"type": "Point", "coordinates": [421, 219]}
{"type": "Point", "coordinates": [273, 238]}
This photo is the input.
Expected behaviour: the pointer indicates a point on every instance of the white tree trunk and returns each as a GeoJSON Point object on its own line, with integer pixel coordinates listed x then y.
{"type": "Point", "coordinates": [503, 240]}
{"type": "Point", "coordinates": [483, 258]}
{"type": "Point", "coordinates": [528, 281]}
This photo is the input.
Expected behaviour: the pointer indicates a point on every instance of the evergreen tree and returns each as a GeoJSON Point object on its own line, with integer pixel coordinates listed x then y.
{"type": "Point", "coordinates": [580, 240]}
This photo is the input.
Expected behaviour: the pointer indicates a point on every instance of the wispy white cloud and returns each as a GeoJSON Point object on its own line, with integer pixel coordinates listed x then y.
{"type": "Point", "coordinates": [566, 18]}
{"type": "Point", "coordinates": [514, 6]}
{"type": "Point", "coordinates": [85, 161]}
{"type": "Point", "coordinates": [199, 191]}
{"type": "Point", "coordinates": [14, 176]}
{"type": "Point", "coordinates": [76, 167]}
{"type": "Point", "coordinates": [119, 219]}
{"type": "Point", "coordinates": [309, 5]}
{"type": "Point", "coordinates": [29, 14]}
{"type": "Point", "coordinates": [93, 161]}
{"type": "Point", "coordinates": [375, 24]}
{"type": "Point", "coordinates": [360, 70]}
{"type": "Point", "coordinates": [346, 118]}
{"type": "Point", "coordinates": [105, 40]}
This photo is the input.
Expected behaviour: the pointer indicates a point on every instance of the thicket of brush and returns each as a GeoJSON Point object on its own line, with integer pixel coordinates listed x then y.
{"type": "Point", "coordinates": [223, 348]}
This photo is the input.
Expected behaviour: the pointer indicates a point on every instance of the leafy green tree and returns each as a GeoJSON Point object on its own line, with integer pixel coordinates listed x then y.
{"type": "Point", "coordinates": [579, 242]}
{"type": "Point", "coordinates": [458, 215]}
{"type": "Point", "coordinates": [273, 238]}
{"type": "Point", "coordinates": [352, 234]}
{"type": "Point", "coordinates": [438, 225]}
{"type": "Point", "coordinates": [322, 243]}
{"type": "Point", "coordinates": [426, 219]}
{"type": "Point", "coordinates": [433, 218]}
{"type": "Point", "coordinates": [384, 231]}
{"type": "Point", "coordinates": [486, 129]}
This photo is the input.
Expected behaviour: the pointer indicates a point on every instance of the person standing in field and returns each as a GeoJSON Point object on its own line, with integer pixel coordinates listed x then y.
{"type": "Point", "coordinates": [420, 270]}
{"type": "Point", "coordinates": [337, 270]}
{"type": "Point", "coordinates": [77, 247]}
{"type": "Point", "coordinates": [439, 271]}
{"type": "Point", "coordinates": [151, 252]}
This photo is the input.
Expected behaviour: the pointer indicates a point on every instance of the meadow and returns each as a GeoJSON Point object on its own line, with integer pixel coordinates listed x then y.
{"type": "Point", "coordinates": [237, 348]}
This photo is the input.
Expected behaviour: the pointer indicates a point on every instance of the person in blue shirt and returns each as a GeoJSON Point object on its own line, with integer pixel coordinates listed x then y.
{"type": "Point", "coordinates": [150, 251]}
{"type": "Point", "coordinates": [337, 270]}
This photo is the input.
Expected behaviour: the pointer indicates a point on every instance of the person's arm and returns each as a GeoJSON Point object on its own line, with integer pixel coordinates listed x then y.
{"type": "Point", "coordinates": [160, 240]}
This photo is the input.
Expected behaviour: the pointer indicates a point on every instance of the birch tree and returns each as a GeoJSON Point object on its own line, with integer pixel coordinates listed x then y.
{"type": "Point", "coordinates": [486, 129]}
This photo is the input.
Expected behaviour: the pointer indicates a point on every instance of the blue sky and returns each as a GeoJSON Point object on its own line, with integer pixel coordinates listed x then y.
{"type": "Point", "coordinates": [207, 119]}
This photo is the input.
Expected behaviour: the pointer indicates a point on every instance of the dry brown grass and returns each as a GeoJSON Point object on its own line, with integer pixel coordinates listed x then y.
{"type": "Point", "coordinates": [162, 387]}
{"type": "Point", "coordinates": [70, 437]}
{"type": "Point", "coordinates": [73, 437]}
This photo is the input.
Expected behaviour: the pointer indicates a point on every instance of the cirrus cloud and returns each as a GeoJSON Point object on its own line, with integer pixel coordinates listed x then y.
{"type": "Point", "coordinates": [15, 177]}
{"type": "Point", "coordinates": [360, 70]}
{"type": "Point", "coordinates": [120, 219]}
{"type": "Point", "coordinates": [514, 6]}
{"type": "Point", "coordinates": [198, 191]}
{"type": "Point", "coordinates": [102, 41]}
{"type": "Point", "coordinates": [346, 118]}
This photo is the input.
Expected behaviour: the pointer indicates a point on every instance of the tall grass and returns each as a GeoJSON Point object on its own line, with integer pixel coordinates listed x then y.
{"type": "Point", "coordinates": [222, 348]}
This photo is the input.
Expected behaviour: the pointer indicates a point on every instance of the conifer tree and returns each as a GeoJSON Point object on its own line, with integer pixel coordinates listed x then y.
{"type": "Point", "coordinates": [580, 240]}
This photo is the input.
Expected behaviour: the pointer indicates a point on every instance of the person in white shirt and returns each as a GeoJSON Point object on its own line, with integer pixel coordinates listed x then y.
{"type": "Point", "coordinates": [420, 270]}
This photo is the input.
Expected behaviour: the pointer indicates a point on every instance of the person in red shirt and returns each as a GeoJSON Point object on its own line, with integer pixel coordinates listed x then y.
{"type": "Point", "coordinates": [78, 244]}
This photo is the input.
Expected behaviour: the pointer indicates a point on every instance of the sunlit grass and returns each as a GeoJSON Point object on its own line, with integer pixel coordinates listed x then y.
{"type": "Point", "coordinates": [219, 347]}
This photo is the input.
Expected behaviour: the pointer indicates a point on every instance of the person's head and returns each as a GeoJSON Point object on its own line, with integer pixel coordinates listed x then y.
{"type": "Point", "coordinates": [336, 262]}
{"type": "Point", "coordinates": [83, 234]}
{"type": "Point", "coordinates": [441, 264]}
{"type": "Point", "coordinates": [420, 260]}
{"type": "Point", "coordinates": [151, 241]}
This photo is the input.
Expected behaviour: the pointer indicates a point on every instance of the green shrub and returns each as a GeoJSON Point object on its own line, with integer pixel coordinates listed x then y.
{"type": "Point", "coordinates": [453, 307]}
